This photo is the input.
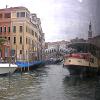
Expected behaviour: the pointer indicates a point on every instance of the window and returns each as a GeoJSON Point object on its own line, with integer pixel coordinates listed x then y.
{"type": "Point", "coordinates": [0, 29]}
{"type": "Point", "coordinates": [91, 60]}
{"type": "Point", "coordinates": [22, 14]}
{"type": "Point", "coordinates": [0, 15]}
{"type": "Point", "coordinates": [32, 42]}
{"type": "Point", "coordinates": [35, 34]}
{"type": "Point", "coordinates": [13, 52]}
{"type": "Point", "coordinates": [14, 29]}
{"type": "Point", "coordinates": [26, 41]}
{"type": "Point", "coordinates": [27, 15]}
{"type": "Point", "coordinates": [7, 15]}
{"type": "Point", "coordinates": [20, 39]}
{"type": "Point", "coordinates": [8, 29]}
{"type": "Point", "coordinates": [26, 28]}
{"type": "Point", "coordinates": [4, 29]}
{"type": "Point", "coordinates": [14, 40]}
{"type": "Point", "coordinates": [18, 14]}
{"type": "Point", "coordinates": [8, 38]}
{"type": "Point", "coordinates": [21, 29]}
{"type": "Point", "coordinates": [20, 51]}
{"type": "Point", "coordinates": [29, 41]}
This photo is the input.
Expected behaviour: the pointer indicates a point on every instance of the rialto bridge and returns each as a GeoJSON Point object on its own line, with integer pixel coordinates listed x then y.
{"type": "Point", "coordinates": [54, 53]}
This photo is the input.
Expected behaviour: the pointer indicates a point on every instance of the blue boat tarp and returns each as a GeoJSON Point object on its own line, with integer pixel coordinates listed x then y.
{"type": "Point", "coordinates": [28, 64]}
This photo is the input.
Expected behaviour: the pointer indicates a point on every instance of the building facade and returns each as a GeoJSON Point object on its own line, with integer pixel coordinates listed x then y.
{"type": "Point", "coordinates": [23, 31]}
{"type": "Point", "coordinates": [95, 40]}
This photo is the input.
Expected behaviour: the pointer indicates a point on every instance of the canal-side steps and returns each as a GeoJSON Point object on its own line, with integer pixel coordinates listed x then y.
{"type": "Point", "coordinates": [25, 66]}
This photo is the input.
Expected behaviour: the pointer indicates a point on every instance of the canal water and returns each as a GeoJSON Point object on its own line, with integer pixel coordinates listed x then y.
{"type": "Point", "coordinates": [51, 82]}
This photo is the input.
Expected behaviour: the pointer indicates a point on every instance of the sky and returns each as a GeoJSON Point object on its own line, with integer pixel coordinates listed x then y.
{"type": "Point", "coordinates": [61, 19]}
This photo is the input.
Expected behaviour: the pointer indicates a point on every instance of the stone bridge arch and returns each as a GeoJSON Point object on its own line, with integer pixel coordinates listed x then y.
{"type": "Point", "coordinates": [54, 53]}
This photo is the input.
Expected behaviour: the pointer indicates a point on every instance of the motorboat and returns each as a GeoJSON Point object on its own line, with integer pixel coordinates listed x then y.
{"type": "Point", "coordinates": [6, 68]}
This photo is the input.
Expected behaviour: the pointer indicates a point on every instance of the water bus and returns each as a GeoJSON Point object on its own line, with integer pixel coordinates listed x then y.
{"type": "Point", "coordinates": [84, 59]}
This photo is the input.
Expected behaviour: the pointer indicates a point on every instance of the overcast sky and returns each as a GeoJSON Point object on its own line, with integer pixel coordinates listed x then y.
{"type": "Point", "coordinates": [61, 19]}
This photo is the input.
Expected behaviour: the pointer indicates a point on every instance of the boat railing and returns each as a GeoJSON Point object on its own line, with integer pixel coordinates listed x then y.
{"type": "Point", "coordinates": [85, 56]}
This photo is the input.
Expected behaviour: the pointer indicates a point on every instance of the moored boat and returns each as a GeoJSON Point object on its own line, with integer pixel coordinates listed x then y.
{"type": "Point", "coordinates": [6, 68]}
{"type": "Point", "coordinates": [84, 59]}
{"type": "Point", "coordinates": [24, 66]}
{"type": "Point", "coordinates": [81, 63]}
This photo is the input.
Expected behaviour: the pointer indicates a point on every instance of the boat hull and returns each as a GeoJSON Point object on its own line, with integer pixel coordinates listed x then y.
{"type": "Point", "coordinates": [81, 63]}
{"type": "Point", "coordinates": [7, 68]}
{"type": "Point", "coordinates": [81, 70]}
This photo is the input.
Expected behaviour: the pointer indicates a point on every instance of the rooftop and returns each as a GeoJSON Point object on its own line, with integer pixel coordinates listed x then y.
{"type": "Point", "coordinates": [14, 8]}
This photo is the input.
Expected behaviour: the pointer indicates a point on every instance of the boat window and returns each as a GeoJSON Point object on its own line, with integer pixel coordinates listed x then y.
{"type": "Point", "coordinates": [79, 61]}
{"type": "Point", "coordinates": [92, 60]}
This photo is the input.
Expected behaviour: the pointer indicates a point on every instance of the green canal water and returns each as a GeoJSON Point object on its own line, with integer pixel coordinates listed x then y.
{"type": "Point", "coordinates": [51, 82]}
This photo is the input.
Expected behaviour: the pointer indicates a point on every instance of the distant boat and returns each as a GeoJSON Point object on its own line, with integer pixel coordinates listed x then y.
{"type": "Point", "coordinates": [53, 61]}
{"type": "Point", "coordinates": [6, 68]}
{"type": "Point", "coordinates": [82, 62]}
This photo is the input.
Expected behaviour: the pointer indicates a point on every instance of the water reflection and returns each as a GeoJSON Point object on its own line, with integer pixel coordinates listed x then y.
{"type": "Point", "coordinates": [49, 83]}
{"type": "Point", "coordinates": [22, 87]}
{"type": "Point", "coordinates": [77, 88]}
